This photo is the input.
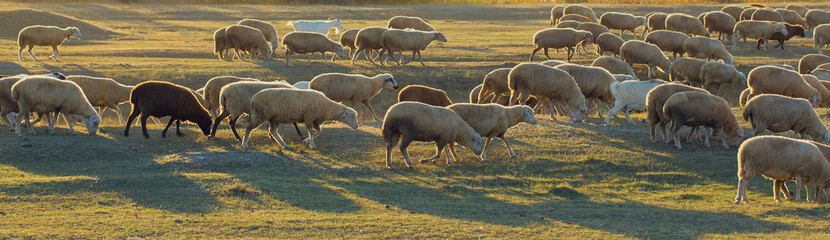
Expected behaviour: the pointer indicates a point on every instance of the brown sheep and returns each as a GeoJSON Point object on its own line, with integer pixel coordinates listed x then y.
{"type": "Point", "coordinates": [687, 24]}
{"type": "Point", "coordinates": [424, 94]}
{"type": "Point", "coordinates": [608, 42]}
{"type": "Point", "coordinates": [622, 21]}
{"type": "Point", "coordinates": [778, 113]}
{"type": "Point", "coordinates": [491, 121]}
{"type": "Point", "coordinates": [548, 85]}
{"type": "Point", "coordinates": [809, 62]}
{"type": "Point", "coordinates": [404, 22]}
{"type": "Point", "coordinates": [309, 42]}
{"type": "Point", "coordinates": [668, 40]}
{"type": "Point", "coordinates": [767, 15]}
{"type": "Point", "coordinates": [792, 31]}
{"type": "Point", "coordinates": [694, 108]}
{"type": "Point", "coordinates": [161, 99]}
{"type": "Point", "coordinates": [368, 39]}
{"type": "Point", "coordinates": [776, 80]}
{"type": "Point", "coordinates": [614, 65]}
{"type": "Point", "coordinates": [635, 51]}
{"type": "Point", "coordinates": [816, 17]}
{"type": "Point", "coordinates": [715, 74]}
{"type": "Point", "coordinates": [559, 38]}
{"type": "Point", "coordinates": [655, 100]}
{"type": "Point", "coordinates": [686, 70]}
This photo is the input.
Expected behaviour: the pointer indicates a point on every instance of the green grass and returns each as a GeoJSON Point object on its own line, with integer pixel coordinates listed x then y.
{"type": "Point", "coordinates": [570, 180]}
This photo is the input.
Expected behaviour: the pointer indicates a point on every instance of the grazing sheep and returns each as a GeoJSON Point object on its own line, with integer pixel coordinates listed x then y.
{"type": "Point", "coordinates": [568, 24]}
{"type": "Point", "coordinates": [396, 40]}
{"type": "Point", "coordinates": [778, 113]}
{"type": "Point", "coordinates": [575, 18]}
{"type": "Point", "coordinates": [593, 82]}
{"type": "Point", "coordinates": [816, 17]}
{"type": "Point", "coordinates": [635, 51]}
{"type": "Point", "coordinates": [801, 10]}
{"type": "Point", "coordinates": [220, 44]}
{"type": "Point", "coordinates": [809, 62]}
{"type": "Point", "coordinates": [413, 121]}
{"type": "Point", "coordinates": [747, 14]}
{"type": "Point", "coordinates": [792, 17]}
{"type": "Point", "coordinates": [559, 38]}
{"type": "Point", "coordinates": [655, 99]}
{"type": "Point", "coordinates": [247, 38]}
{"type": "Point", "coordinates": [8, 105]}
{"type": "Point", "coordinates": [630, 95]}
{"type": "Point", "coordinates": [706, 48]}
{"type": "Point", "coordinates": [353, 88]}
{"type": "Point", "coordinates": [424, 94]}
{"type": "Point", "coordinates": [39, 35]}
{"type": "Point", "coordinates": [161, 99]}
{"type": "Point", "coordinates": [281, 105]}
{"type": "Point", "coordinates": [235, 100]}
{"type": "Point", "coordinates": [695, 108]}
{"type": "Point", "coordinates": [792, 30]}
{"type": "Point", "coordinates": [548, 85]}
{"type": "Point", "coordinates": [594, 29]}
{"type": "Point", "coordinates": [823, 92]}
{"type": "Point", "coordinates": [50, 96]}
{"type": "Point", "coordinates": [347, 40]}
{"type": "Point", "coordinates": [608, 42]}
{"type": "Point", "coordinates": [213, 88]}
{"type": "Point", "coordinates": [321, 27]}
{"type": "Point", "coordinates": [721, 23]}
{"type": "Point", "coordinates": [614, 65]}
{"type": "Point", "coordinates": [309, 42]}
{"type": "Point", "coordinates": [495, 84]}
{"type": "Point", "coordinates": [491, 121]}
{"type": "Point", "coordinates": [686, 70]}
{"type": "Point", "coordinates": [767, 15]}
{"type": "Point", "coordinates": [668, 40]}
{"type": "Point", "coordinates": [656, 21]}
{"type": "Point", "coordinates": [761, 30]}
{"type": "Point", "coordinates": [703, 15]}
{"type": "Point", "coordinates": [404, 22]}
{"type": "Point", "coordinates": [556, 13]}
{"type": "Point", "coordinates": [715, 74]}
{"type": "Point", "coordinates": [821, 36]}
{"type": "Point", "coordinates": [733, 11]}
{"type": "Point", "coordinates": [687, 24]}
{"type": "Point", "coordinates": [781, 159]}
{"type": "Point", "coordinates": [622, 21]}
{"type": "Point", "coordinates": [776, 80]}
{"type": "Point", "coordinates": [368, 39]}
{"type": "Point", "coordinates": [301, 85]}
{"type": "Point", "coordinates": [267, 30]}
{"type": "Point", "coordinates": [580, 10]}
{"type": "Point", "coordinates": [103, 92]}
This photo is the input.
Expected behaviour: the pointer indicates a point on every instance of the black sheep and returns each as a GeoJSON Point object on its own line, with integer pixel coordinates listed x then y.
{"type": "Point", "coordinates": [161, 99]}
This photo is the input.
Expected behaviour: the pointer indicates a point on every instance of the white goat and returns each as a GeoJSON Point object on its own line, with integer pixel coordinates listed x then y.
{"type": "Point", "coordinates": [630, 95]}
{"type": "Point", "coordinates": [317, 26]}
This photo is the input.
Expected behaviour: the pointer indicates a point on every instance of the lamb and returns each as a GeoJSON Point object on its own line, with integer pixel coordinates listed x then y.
{"type": "Point", "coordinates": [816, 17]}
{"type": "Point", "coordinates": [767, 15]}
{"type": "Point", "coordinates": [776, 80]}
{"type": "Point", "coordinates": [781, 159]}
{"type": "Point", "coordinates": [491, 121]}
{"type": "Point", "coordinates": [733, 11]}
{"type": "Point", "coordinates": [220, 44]}
{"type": "Point", "coordinates": [556, 13]}
{"type": "Point", "coordinates": [546, 84]}
{"type": "Point", "coordinates": [247, 38]}
{"type": "Point", "coordinates": [715, 74]}
{"type": "Point", "coordinates": [267, 30]}
{"type": "Point", "coordinates": [757, 29]}
{"type": "Point", "coordinates": [404, 22]}
{"type": "Point", "coordinates": [721, 23]}
{"type": "Point", "coordinates": [622, 21]}
{"type": "Point", "coordinates": [668, 40]}
{"type": "Point", "coordinates": [353, 88]}
{"type": "Point", "coordinates": [50, 96]}
{"type": "Point", "coordinates": [814, 82]}
{"type": "Point", "coordinates": [495, 84]}
{"type": "Point", "coordinates": [412, 121]}
{"type": "Point", "coordinates": [792, 30]}
{"type": "Point", "coordinates": [395, 40]}
{"type": "Point", "coordinates": [593, 82]}
{"type": "Point", "coordinates": [347, 40]}
{"type": "Point", "coordinates": [575, 18]}
{"type": "Point", "coordinates": [321, 27]}
{"type": "Point", "coordinates": [780, 113]}
{"type": "Point", "coordinates": [695, 108]}
{"type": "Point", "coordinates": [614, 65]}
{"type": "Point", "coordinates": [630, 95]}
{"type": "Point", "coordinates": [656, 99]}
{"type": "Point", "coordinates": [161, 99]}
{"type": "Point", "coordinates": [39, 35]}
{"type": "Point", "coordinates": [747, 14]}
{"type": "Point", "coordinates": [801, 10]}
{"type": "Point", "coordinates": [821, 36]}
{"type": "Point", "coordinates": [368, 39]}
{"type": "Point", "coordinates": [559, 38]}
{"type": "Point", "coordinates": [309, 42]}
{"type": "Point", "coordinates": [568, 24]}
{"type": "Point", "coordinates": [656, 21]}
{"type": "Point", "coordinates": [424, 94]}
{"type": "Point", "coordinates": [235, 100]}
{"type": "Point", "coordinates": [810, 61]}
{"type": "Point", "coordinates": [636, 51]}
{"type": "Point", "coordinates": [608, 42]}
{"type": "Point", "coordinates": [280, 105]}
{"type": "Point", "coordinates": [301, 85]}
{"type": "Point", "coordinates": [686, 24]}
{"type": "Point", "coordinates": [580, 10]}
{"type": "Point", "coordinates": [686, 70]}
{"type": "Point", "coordinates": [103, 92]}
{"type": "Point", "coordinates": [792, 17]}
{"type": "Point", "coordinates": [213, 88]}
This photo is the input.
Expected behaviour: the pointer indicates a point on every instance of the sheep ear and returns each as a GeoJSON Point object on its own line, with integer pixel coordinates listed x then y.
{"type": "Point", "coordinates": [739, 132]}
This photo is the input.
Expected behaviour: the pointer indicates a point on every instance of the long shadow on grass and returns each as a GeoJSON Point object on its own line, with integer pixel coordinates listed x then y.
{"type": "Point", "coordinates": [10, 68]}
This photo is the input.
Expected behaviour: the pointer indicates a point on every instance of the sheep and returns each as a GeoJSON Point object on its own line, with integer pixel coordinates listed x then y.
{"type": "Point", "coordinates": [220, 44]}
{"type": "Point", "coordinates": [614, 65]}
{"type": "Point", "coordinates": [656, 21]}
{"type": "Point", "coordinates": [816, 17]}
{"type": "Point", "coordinates": [593, 82]}
{"type": "Point", "coordinates": [495, 84]}
{"type": "Point", "coordinates": [321, 27]}
{"type": "Point", "coordinates": [491, 121]}
{"type": "Point", "coordinates": [267, 30]}
{"type": "Point", "coordinates": [636, 51]}
{"type": "Point", "coordinates": [556, 13]}
{"type": "Point", "coordinates": [823, 75]}
{"type": "Point", "coordinates": [733, 11]}
{"type": "Point", "coordinates": [595, 30]}
{"type": "Point", "coordinates": [791, 17]}
{"type": "Point", "coordinates": [668, 40]}
{"type": "Point", "coordinates": [814, 82]}
{"type": "Point", "coordinates": [624, 77]}
{"type": "Point", "coordinates": [821, 36]}
{"type": "Point", "coordinates": [781, 159]}
{"type": "Point", "coordinates": [780, 113]}
{"type": "Point", "coordinates": [39, 35]}
{"type": "Point", "coordinates": [559, 38]}
{"type": "Point", "coordinates": [608, 42]}
{"type": "Point", "coordinates": [424, 94]}
{"type": "Point", "coordinates": [721, 23]}
{"type": "Point", "coordinates": [580, 10]}
{"type": "Point", "coordinates": [686, 70]}
{"type": "Point", "coordinates": [301, 84]}
{"type": "Point", "coordinates": [309, 42]}
{"type": "Point", "coordinates": [622, 21]}
{"type": "Point", "coordinates": [50, 96]}
{"type": "Point", "coordinates": [8, 105]}
{"type": "Point", "coordinates": [706, 48]}
{"type": "Point", "coordinates": [103, 92]}
{"type": "Point", "coordinates": [281, 105]}
{"type": "Point", "coordinates": [404, 22]}
{"type": "Point", "coordinates": [574, 18]}
{"type": "Point", "coordinates": [703, 15]}
{"type": "Point", "coordinates": [792, 30]}
{"type": "Point", "coordinates": [757, 29]}
{"type": "Point", "coordinates": [630, 95]}
{"type": "Point", "coordinates": [161, 99]}
{"type": "Point", "coordinates": [747, 14]}
{"type": "Point", "coordinates": [568, 24]}
{"type": "Point", "coordinates": [501, 100]}
{"type": "Point", "coordinates": [413, 121]}
{"type": "Point", "coordinates": [247, 38]}
{"type": "Point", "coordinates": [347, 40]}
{"type": "Point", "coordinates": [656, 99]}
{"type": "Point", "coordinates": [235, 100]}
{"type": "Point", "coordinates": [801, 10]}
{"type": "Point", "coordinates": [767, 15]}
{"type": "Point", "coordinates": [715, 74]}
{"type": "Point", "coordinates": [546, 84]}
{"type": "Point", "coordinates": [810, 61]}
{"type": "Point", "coordinates": [776, 80]}
{"type": "Point", "coordinates": [695, 108]}
{"type": "Point", "coordinates": [554, 63]}
{"type": "Point", "coordinates": [353, 88]}
{"type": "Point", "coordinates": [213, 88]}
{"type": "Point", "coordinates": [396, 40]}
{"type": "Point", "coordinates": [368, 39]}
{"type": "Point", "coordinates": [686, 24]}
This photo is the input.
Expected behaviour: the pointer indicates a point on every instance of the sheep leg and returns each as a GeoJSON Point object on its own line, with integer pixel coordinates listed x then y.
{"type": "Point", "coordinates": [117, 111]}
{"type": "Point", "coordinates": [353, 57]}
{"type": "Point", "coordinates": [272, 130]}
{"type": "Point", "coordinates": [612, 112]}
{"type": "Point", "coordinates": [29, 50]}
{"type": "Point", "coordinates": [420, 59]}
{"type": "Point", "coordinates": [675, 126]}
{"type": "Point", "coordinates": [54, 53]}
{"type": "Point", "coordinates": [326, 60]}
{"type": "Point", "coordinates": [68, 123]}
{"type": "Point", "coordinates": [366, 54]}
{"type": "Point", "coordinates": [288, 58]}
{"type": "Point", "coordinates": [164, 132]}
{"type": "Point", "coordinates": [179, 131]}
{"type": "Point", "coordinates": [798, 186]}
{"type": "Point", "coordinates": [509, 149]}
{"type": "Point", "coordinates": [540, 48]}
{"type": "Point", "coordinates": [143, 121]}
{"type": "Point", "coordinates": [371, 110]}
{"type": "Point", "coordinates": [570, 53]}
{"type": "Point", "coordinates": [251, 126]}
{"type": "Point", "coordinates": [309, 127]}
{"type": "Point", "coordinates": [130, 119]}
{"type": "Point", "coordinates": [691, 132]}
{"type": "Point", "coordinates": [782, 187]}
{"type": "Point", "coordinates": [308, 63]}
{"type": "Point", "coordinates": [392, 55]}
{"type": "Point", "coordinates": [438, 149]}
{"type": "Point", "coordinates": [546, 54]}
{"type": "Point", "coordinates": [740, 196]}
{"type": "Point", "coordinates": [407, 139]}
{"type": "Point", "coordinates": [625, 112]}
{"type": "Point", "coordinates": [20, 53]}
{"type": "Point", "coordinates": [393, 140]}
{"type": "Point", "coordinates": [237, 55]}
{"type": "Point", "coordinates": [776, 190]}
{"type": "Point", "coordinates": [51, 122]}
{"type": "Point", "coordinates": [483, 155]}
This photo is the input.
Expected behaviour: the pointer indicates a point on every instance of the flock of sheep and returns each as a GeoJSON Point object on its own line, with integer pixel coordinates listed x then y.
{"type": "Point", "coordinates": [779, 98]}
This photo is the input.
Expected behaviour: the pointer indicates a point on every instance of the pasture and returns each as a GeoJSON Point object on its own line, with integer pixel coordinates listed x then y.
{"type": "Point", "coordinates": [570, 180]}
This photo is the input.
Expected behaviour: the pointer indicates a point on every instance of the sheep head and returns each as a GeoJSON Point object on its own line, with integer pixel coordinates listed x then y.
{"type": "Point", "coordinates": [389, 81]}
{"type": "Point", "coordinates": [74, 32]}
{"type": "Point", "coordinates": [439, 37]}
{"type": "Point", "coordinates": [348, 117]}
{"type": "Point", "coordinates": [92, 123]}
{"type": "Point", "coordinates": [578, 114]}
{"type": "Point", "coordinates": [339, 50]}
{"type": "Point", "coordinates": [783, 29]}
{"type": "Point", "coordinates": [527, 116]}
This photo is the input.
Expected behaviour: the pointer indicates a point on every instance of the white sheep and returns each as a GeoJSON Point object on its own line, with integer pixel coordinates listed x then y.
{"type": "Point", "coordinates": [396, 40]}
{"type": "Point", "coordinates": [816, 17]}
{"type": "Point", "coordinates": [630, 95]}
{"type": "Point", "coordinates": [105, 93]}
{"type": "Point", "coordinates": [580, 10]}
{"type": "Point", "coordinates": [368, 39]}
{"type": "Point", "coordinates": [321, 27]}
{"type": "Point", "coordinates": [39, 35]}
{"type": "Point", "coordinates": [686, 70]}
{"type": "Point", "coordinates": [721, 23]}
{"type": "Point", "coordinates": [46, 95]}
{"type": "Point", "coordinates": [247, 38]}
{"type": "Point", "coordinates": [353, 88]}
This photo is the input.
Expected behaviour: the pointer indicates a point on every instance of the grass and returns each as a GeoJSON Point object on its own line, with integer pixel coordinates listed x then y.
{"type": "Point", "coordinates": [570, 180]}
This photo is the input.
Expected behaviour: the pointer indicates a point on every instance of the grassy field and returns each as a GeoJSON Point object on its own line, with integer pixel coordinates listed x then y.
{"type": "Point", "coordinates": [583, 180]}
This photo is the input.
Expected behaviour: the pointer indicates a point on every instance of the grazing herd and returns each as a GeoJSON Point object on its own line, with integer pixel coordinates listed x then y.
{"type": "Point", "coordinates": [778, 97]}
